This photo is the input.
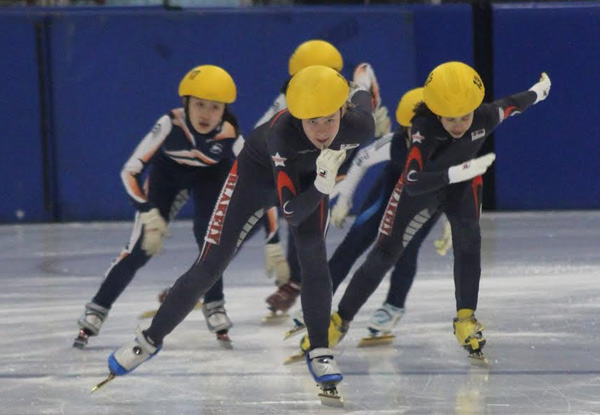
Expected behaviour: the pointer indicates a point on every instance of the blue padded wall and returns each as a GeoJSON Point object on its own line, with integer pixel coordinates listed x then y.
{"type": "Point", "coordinates": [115, 73]}
{"type": "Point", "coordinates": [21, 186]}
{"type": "Point", "coordinates": [548, 157]}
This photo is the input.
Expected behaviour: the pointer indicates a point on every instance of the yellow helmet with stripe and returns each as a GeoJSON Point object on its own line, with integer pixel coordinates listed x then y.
{"type": "Point", "coordinates": [208, 82]}
{"type": "Point", "coordinates": [315, 52]}
{"type": "Point", "coordinates": [316, 91]}
{"type": "Point", "coordinates": [453, 89]}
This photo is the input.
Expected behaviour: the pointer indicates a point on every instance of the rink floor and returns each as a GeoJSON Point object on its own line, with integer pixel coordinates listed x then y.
{"type": "Point", "coordinates": [539, 301]}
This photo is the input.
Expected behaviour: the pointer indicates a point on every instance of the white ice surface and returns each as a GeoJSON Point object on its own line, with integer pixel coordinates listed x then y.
{"type": "Point", "coordinates": [539, 302]}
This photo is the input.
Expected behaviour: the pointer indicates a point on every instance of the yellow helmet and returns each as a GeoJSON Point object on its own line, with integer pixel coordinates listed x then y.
{"type": "Point", "coordinates": [316, 91]}
{"type": "Point", "coordinates": [453, 89]}
{"type": "Point", "coordinates": [315, 52]}
{"type": "Point", "coordinates": [406, 106]}
{"type": "Point", "coordinates": [208, 82]}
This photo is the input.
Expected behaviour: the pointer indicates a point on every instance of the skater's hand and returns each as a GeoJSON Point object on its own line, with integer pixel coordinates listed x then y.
{"type": "Point", "coordinates": [383, 124]}
{"type": "Point", "coordinates": [154, 229]}
{"type": "Point", "coordinates": [276, 264]}
{"type": "Point", "coordinates": [470, 169]}
{"type": "Point", "coordinates": [328, 163]}
{"type": "Point", "coordinates": [443, 244]}
{"type": "Point", "coordinates": [542, 88]}
{"type": "Point", "coordinates": [340, 212]}
{"type": "Point", "coordinates": [364, 77]}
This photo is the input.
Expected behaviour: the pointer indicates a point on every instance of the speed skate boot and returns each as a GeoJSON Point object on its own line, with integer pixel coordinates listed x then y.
{"type": "Point", "coordinates": [324, 369]}
{"type": "Point", "coordinates": [468, 332]}
{"type": "Point", "coordinates": [217, 321]}
{"type": "Point", "coordinates": [282, 300]}
{"type": "Point", "coordinates": [126, 358]}
{"type": "Point", "coordinates": [382, 322]}
{"type": "Point", "coordinates": [337, 330]}
{"type": "Point", "coordinates": [90, 323]}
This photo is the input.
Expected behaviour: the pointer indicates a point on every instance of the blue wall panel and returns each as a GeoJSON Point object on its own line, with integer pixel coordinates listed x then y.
{"type": "Point", "coordinates": [21, 187]}
{"type": "Point", "coordinates": [114, 74]}
{"type": "Point", "coordinates": [442, 34]}
{"type": "Point", "coordinates": [548, 158]}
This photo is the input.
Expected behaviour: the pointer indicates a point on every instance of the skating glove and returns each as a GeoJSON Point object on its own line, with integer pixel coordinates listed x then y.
{"type": "Point", "coordinates": [276, 264]}
{"type": "Point", "coordinates": [383, 124]}
{"type": "Point", "coordinates": [340, 211]}
{"type": "Point", "coordinates": [328, 163]}
{"type": "Point", "coordinates": [470, 169]}
{"type": "Point", "coordinates": [542, 88]}
{"type": "Point", "coordinates": [364, 77]}
{"type": "Point", "coordinates": [443, 244]}
{"type": "Point", "coordinates": [155, 229]}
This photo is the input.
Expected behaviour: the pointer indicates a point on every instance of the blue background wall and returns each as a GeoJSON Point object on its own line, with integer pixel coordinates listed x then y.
{"type": "Point", "coordinates": [112, 73]}
{"type": "Point", "coordinates": [21, 178]}
{"type": "Point", "coordinates": [549, 158]}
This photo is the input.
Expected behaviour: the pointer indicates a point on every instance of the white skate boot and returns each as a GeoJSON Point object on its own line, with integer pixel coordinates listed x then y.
{"type": "Point", "coordinates": [126, 358]}
{"type": "Point", "coordinates": [90, 323]}
{"type": "Point", "coordinates": [217, 321]}
{"type": "Point", "coordinates": [324, 369]}
{"type": "Point", "coordinates": [382, 322]}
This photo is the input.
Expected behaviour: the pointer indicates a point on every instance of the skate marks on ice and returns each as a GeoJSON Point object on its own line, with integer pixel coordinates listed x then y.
{"type": "Point", "coordinates": [539, 303]}
{"type": "Point", "coordinates": [152, 313]}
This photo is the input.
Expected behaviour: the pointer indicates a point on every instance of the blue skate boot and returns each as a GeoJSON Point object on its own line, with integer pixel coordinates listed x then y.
{"type": "Point", "coordinates": [324, 369]}
{"type": "Point", "coordinates": [126, 358]}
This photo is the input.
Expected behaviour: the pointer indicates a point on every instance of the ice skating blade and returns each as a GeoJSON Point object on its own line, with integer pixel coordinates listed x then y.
{"type": "Point", "coordinates": [331, 399]}
{"type": "Point", "coordinates": [104, 382]}
{"type": "Point", "coordinates": [376, 340]}
{"type": "Point", "coordinates": [294, 358]}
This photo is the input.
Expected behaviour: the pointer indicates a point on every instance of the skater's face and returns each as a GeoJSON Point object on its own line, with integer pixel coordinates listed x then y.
{"type": "Point", "coordinates": [457, 126]}
{"type": "Point", "coordinates": [322, 131]}
{"type": "Point", "coordinates": [205, 115]}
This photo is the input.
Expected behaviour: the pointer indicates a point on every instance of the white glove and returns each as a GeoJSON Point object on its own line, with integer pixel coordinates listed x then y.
{"type": "Point", "coordinates": [276, 264]}
{"type": "Point", "coordinates": [328, 164]}
{"type": "Point", "coordinates": [470, 169]}
{"type": "Point", "coordinates": [383, 124]}
{"type": "Point", "coordinates": [340, 211]}
{"type": "Point", "coordinates": [542, 88]}
{"type": "Point", "coordinates": [154, 230]}
{"type": "Point", "coordinates": [364, 77]}
{"type": "Point", "coordinates": [443, 244]}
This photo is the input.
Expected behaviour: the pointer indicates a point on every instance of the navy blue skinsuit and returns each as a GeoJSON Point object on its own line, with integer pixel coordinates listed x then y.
{"type": "Point", "coordinates": [179, 161]}
{"type": "Point", "coordinates": [423, 191]}
{"type": "Point", "coordinates": [276, 166]}
{"type": "Point", "coordinates": [365, 228]}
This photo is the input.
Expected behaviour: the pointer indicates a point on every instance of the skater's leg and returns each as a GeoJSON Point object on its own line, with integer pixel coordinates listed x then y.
{"type": "Point", "coordinates": [240, 205]}
{"type": "Point", "coordinates": [362, 233]}
{"type": "Point", "coordinates": [167, 197]}
{"type": "Point", "coordinates": [463, 213]}
{"type": "Point", "coordinates": [403, 218]}
{"type": "Point", "coordinates": [385, 318]}
{"type": "Point", "coordinates": [292, 259]}
{"type": "Point", "coordinates": [316, 281]}
{"type": "Point", "coordinates": [464, 207]}
{"type": "Point", "coordinates": [285, 297]}
{"type": "Point", "coordinates": [405, 268]}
